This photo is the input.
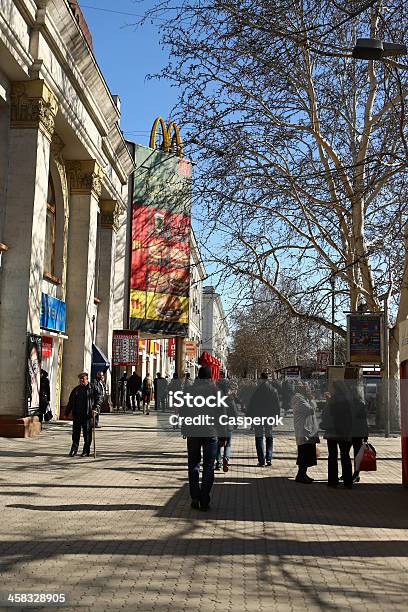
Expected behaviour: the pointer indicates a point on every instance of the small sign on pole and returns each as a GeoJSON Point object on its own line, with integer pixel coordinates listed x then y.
{"type": "Point", "coordinates": [323, 359]}
{"type": "Point", "coordinates": [364, 338]}
{"type": "Point", "coordinates": [125, 349]}
{"type": "Point", "coordinates": [191, 349]}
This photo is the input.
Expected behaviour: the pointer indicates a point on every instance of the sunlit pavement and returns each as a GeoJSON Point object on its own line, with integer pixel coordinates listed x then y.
{"type": "Point", "coordinates": [118, 532]}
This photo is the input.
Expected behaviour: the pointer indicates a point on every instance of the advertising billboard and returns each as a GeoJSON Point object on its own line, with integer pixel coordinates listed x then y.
{"type": "Point", "coordinates": [364, 338]}
{"type": "Point", "coordinates": [33, 373]}
{"type": "Point", "coordinates": [160, 258]}
{"type": "Point", "coordinates": [125, 348]}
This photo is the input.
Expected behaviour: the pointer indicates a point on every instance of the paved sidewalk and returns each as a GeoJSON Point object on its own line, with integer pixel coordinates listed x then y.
{"type": "Point", "coordinates": [118, 533]}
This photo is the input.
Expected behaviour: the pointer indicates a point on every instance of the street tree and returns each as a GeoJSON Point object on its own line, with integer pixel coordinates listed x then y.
{"type": "Point", "coordinates": [301, 149]}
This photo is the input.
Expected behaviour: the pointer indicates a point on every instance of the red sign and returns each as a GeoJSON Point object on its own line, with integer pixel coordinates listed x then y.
{"type": "Point", "coordinates": [190, 346]}
{"type": "Point", "coordinates": [46, 347]}
{"type": "Point", "coordinates": [125, 348]}
{"type": "Point", "coordinates": [171, 347]}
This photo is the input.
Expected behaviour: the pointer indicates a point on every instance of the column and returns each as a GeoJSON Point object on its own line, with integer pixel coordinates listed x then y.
{"type": "Point", "coordinates": [180, 356]}
{"type": "Point", "coordinates": [33, 111]}
{"type": "Point", "coordinates": [85, 186]}
{"type": "Point", "coordinates": [108, 229]}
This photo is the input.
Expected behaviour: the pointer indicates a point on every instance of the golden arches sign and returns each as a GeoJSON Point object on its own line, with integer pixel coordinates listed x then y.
{"type": "Point", "coordinates": [170, 137]}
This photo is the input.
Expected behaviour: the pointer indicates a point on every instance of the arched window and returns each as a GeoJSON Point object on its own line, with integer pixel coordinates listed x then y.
{"type": "Point", "coordinates": [49, 252]}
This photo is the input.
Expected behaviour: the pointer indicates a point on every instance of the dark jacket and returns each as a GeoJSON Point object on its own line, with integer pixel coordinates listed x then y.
{"type": "Point", "coordinates": [134, 384]}
{"type": "Point", "coordinates": [44, 392]}
{"type": "Point", "coordinates": [160, 388]}
{"type": "Point", "coordinates": [345, 416]}
{"type": "Point", "coordinates": [82, 401]}
{"type": "Point", "coordinates": [264, 401]}
{"type": "Point", "coordinates": [231, 411]}
{"type": "Point", "coordinates": [203, 388]}
{"type": "Point", "coordinates": [100, 388]}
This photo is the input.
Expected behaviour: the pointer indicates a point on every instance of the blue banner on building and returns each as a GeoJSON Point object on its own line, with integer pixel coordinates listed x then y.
{"type": "Point", "coordinates": [53, 313]}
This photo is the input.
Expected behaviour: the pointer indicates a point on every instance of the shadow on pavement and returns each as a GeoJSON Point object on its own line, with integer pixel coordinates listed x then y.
{"type": "Point", "coordinates": [281, 500]}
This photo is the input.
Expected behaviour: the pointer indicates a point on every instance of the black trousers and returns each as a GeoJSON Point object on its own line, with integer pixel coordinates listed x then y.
{"type": "Point", "coordinates": [86, 426]}
{"type": "Point", "coordinates": [333, 468]}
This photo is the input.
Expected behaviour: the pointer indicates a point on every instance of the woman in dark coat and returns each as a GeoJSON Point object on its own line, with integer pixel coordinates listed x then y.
{"type": "Point", "coordinates": [225, 442]}
{"type": "Point", "coordinates": [306, 431]}
{"type": "Point", "coordinates": [44, 394]}
{"type": "Point", "coordinates": [338, 426]}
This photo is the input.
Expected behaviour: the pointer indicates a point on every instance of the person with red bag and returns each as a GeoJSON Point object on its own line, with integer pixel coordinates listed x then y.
{"type": "Point", "coordinates": [337, 424]}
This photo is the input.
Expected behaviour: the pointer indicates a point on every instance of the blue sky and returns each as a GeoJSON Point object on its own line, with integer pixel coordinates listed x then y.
{"type": "Point", "coordinates": [126, 54]}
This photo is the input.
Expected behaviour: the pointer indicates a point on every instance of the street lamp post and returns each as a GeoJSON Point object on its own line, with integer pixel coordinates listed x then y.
{"type": "Point", "coordinates": [333, 315]}
{"type": "Point", "coordinates": [375, 49]}
{"type": "Point", "coordinates": [386, 364]}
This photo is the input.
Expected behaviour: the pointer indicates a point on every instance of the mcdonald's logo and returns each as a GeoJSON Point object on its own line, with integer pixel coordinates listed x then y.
{"type": "Point", "coordinates": [171, 140]}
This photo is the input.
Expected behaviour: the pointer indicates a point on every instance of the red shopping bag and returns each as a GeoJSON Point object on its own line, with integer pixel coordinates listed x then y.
{"type": "Point", "coordinates": [366, 460]}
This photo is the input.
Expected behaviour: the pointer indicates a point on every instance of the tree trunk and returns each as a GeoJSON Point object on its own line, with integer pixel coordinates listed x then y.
{"type": "Point", "coordinates": [394, 387]}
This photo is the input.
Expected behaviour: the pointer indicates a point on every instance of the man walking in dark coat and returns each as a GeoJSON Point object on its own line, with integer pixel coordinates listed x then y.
{"type": "Point", "coordinates": [134, 389]}
{"type": "Point", "coordinates": [84, 403]}
{"type": "Point", "coordinates": [264, 403]}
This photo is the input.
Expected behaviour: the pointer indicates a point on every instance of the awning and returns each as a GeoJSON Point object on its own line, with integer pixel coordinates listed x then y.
{"type": "Point", "coordinates": [99, 359]}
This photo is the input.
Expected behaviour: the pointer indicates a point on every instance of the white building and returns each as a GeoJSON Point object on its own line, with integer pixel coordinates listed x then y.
{"type": "Point", "coordinates": [197, 276]}
{"type": "Point", "coordinates": [64, 168]}
{"type": "Point", "coordinates": [214, 327]}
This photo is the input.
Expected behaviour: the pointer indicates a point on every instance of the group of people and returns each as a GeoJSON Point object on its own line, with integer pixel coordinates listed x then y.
{"type": "Point", "coordinates": [137, 394]}
{"type": "Point", "coordinates": [344, 425]}
{"type": "Point", "coordinates": [343, 422]}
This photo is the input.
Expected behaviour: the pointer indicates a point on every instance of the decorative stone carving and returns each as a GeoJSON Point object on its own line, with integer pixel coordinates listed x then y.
{"type": "Point", "coordinates": [110, 211]}
{"type": "Point", "coordinates": [33, 105]}
{"type": "Point", "coordinates": [85, 177]}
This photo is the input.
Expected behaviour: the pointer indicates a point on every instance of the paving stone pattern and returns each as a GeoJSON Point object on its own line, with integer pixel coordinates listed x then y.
{"type": "Point", "coordinates": [118, 533]}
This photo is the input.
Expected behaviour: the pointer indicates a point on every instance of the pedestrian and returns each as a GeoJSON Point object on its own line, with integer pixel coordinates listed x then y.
{"type": "Point", "coordinates": [173, 386]}
{"type": "Point", "coordinates": [337, 424]}
{"type": "Point", "coordinates": [264, 402]}
{"type": "Point", "coordinates": [202, 441]}
{"type": "Point", "coordinates": [187, 382]}
{"type": "Point", "coordinates": [359, 414]}
{"type": "Point", "coordinates": [100, 386]}
{"type": "Point", "coordinates": [44, 395]}
{"type": "Point", "coordinates": [123, 391]}
{"type": "Point", "coordinates": [84, 402]}
{"type": "Point", "coordinates": [134, 390]}
{"type": "Point", "coordinates": [147, 393]}
{"type": "Point", "coordinates": [224, 442]}
{"type": "Point", "coordinates": [160, 392]}
{"type": "Point", "coordinates": [306, 431]}
{"type": "Point", "coordinates": [287, 394]}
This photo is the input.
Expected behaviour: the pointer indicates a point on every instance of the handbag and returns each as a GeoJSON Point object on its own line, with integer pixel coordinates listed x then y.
{"type": "Point", "coordinates": [48, 415]}
{"type": "Point", "coordinates": [366, 460]}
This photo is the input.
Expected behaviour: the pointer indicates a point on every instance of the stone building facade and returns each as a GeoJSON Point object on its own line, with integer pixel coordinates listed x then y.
{"type": "Point", "coordinates": [64, 167]}
{"type": "Point", "coordinates": [197, 276]}
{"type": "Point", "coordinates": [215, 328]}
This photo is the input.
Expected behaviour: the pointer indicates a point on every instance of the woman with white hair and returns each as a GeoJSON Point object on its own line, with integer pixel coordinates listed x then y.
{"type": "Point", "coordinates": [306, 431]}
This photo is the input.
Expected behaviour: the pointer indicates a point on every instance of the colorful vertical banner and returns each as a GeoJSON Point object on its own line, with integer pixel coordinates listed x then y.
{"type": "Point", "coordinates": [33, 372]}
{"type": "Point", "coordinates": [160, 264]}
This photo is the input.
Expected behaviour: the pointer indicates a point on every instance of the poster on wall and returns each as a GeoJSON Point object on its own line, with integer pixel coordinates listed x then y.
{"type": "Point", "coordinates": [125, 348]}
{"type": "Point", "coordinates": [33, 376]}
{"type": "Point", "coordinates": [160, 263]}
{"type": "Point", "coordinates": [364, 339]}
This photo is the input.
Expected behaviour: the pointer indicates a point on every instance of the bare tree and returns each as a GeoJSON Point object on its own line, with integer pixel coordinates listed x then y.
{"type": "Point", "coordinates": [302, 150]}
